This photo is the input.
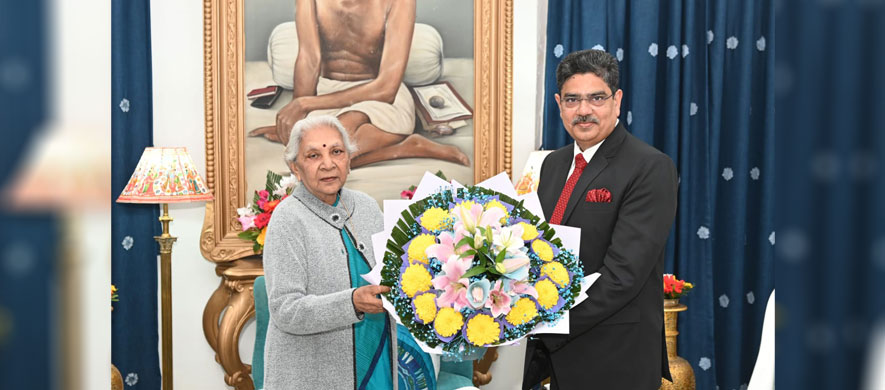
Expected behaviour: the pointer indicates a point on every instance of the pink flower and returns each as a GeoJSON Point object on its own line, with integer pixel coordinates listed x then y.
{"type": "Point", "coordinates": [263, 195]}
{"type": "Point", "coordinates": [407, 194]}
{"type": "Point", "coordinates": [453, 286]}
{"type": "Point", "coordinates": [247, 221]}
{"type": "Point", "coordinates": [444, 250]}
{"type": "Point", "coordinates": [499, 301]}
{"type": "Point", "coordinates": [520, 288]}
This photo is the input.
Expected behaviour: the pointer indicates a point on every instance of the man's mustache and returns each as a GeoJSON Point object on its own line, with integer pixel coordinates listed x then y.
{"type": "Point", "coordinates": [585, 119]}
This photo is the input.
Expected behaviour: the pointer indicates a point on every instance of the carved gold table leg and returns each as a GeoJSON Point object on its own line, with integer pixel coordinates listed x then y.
{"type": "Point", "coordinates": [240, 309]}
{"type": "Point", "coordinates": [481, 367]}
{"type": "Point", "coordinates": [212, 313]}
{"type": "Point", "coordinates": [225, 314]}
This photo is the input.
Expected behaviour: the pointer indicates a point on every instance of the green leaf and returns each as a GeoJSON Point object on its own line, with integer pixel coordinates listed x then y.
{"type": "Point", "coordinates": [470, 252]}
{"type": "Point", "coordinates": [500, 256]}
{"type": "Point", "coordinates": [272, 180]}
{"type": "Point", "coordinates": [474, 271]}
{"type": "Point", "coordinates": [465, 241]}
{"type": "Point", "coordinates": [440, 175]}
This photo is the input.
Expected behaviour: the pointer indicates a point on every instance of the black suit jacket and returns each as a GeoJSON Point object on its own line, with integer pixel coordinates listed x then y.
{"type": "Point", "coordinates": [616, 336]}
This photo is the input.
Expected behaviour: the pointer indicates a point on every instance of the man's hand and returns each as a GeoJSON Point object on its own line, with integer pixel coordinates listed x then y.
{"type": "Point", "coordinates": [286, 118]}
{"type": "Point", "coordinates": [365, 300]}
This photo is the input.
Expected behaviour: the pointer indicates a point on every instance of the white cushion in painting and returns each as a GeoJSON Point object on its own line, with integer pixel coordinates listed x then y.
{"type": "Point", "coordinates": [425, 57]}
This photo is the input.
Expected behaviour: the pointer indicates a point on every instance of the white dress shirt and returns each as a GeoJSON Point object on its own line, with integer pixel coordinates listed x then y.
{"type": "Point", "coordinates": [588, 154]}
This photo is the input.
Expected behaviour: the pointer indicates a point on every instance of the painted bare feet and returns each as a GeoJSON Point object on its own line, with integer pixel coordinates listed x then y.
{"type": "Point", "coordinates": [428, 148]}
{"type": "Point", "coordinates": [269, 132]}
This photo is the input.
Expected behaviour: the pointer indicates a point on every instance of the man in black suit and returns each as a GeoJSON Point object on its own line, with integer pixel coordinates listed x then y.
{"type": "Point", "coordinates": [621, 192]}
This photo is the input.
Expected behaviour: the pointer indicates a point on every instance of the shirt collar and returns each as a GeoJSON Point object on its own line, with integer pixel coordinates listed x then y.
{"type": "Point", "coordinates": [588, 154]}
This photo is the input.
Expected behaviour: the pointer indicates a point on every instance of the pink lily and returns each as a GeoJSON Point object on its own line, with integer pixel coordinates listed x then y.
{"type": "Point", "coordinates": [499, 301]}
{"type": "Point", "coordinates": [450, 282]}
{"type": "Point", "coordinates": [444, 250]}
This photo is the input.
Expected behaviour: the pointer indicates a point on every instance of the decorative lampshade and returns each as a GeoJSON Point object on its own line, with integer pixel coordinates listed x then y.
{"type": "Point", "coordinates": [165, 175]}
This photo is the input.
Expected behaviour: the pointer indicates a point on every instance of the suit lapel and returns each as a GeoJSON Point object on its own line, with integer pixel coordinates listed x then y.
{"type": "Point", "coordinates": [560, 163]}
{"type": "Point", "coordinates": [595, 167]}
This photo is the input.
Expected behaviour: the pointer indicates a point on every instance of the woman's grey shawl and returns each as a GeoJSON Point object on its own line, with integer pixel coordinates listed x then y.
{"type": "Point", "coordinates": [310, 337]}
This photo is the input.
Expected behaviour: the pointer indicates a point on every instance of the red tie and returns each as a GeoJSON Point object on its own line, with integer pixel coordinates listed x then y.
{"type": "Point", "coordinates": [580, 164]}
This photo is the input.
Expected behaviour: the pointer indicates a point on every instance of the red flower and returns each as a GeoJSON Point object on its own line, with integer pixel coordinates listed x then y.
{"type": "Point", "coordinates": [261, 220]}
{"type": "Point", "coordinates": [269, 206]}
{"type": "Point", "coordinates": [407, 194]}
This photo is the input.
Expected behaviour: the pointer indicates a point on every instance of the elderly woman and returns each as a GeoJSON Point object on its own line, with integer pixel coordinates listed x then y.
{"type": "Point", "coordinates": [327, 327]}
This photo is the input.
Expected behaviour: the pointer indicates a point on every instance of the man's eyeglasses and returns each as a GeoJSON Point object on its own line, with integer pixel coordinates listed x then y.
{"type": "Point", "coordinates": [573, 101]}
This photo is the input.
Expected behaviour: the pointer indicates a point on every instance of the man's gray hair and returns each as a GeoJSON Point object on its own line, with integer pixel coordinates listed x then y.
{"type": "Point", "coordinates": [311, 123]}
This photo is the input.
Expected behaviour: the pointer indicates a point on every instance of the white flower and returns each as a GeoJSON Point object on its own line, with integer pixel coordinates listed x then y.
{"type": "Point", "coordinates": [754, 173]}
{"type": "Point", "coordinates": [653, 49]}
{"type": "Point", "coordinates": [727, 173]}
{"type": "Point", "coordinates": [598, 47]}
{"type": "Point", "coordinates": [703, 232]}
{"type": "Point", "coordinates": [620, 54]}
{"type": "Point", "coordinates": [704, 363]}
{"type": "Point", "coordinates": [285, 184]}
{"type": "Point", "coordinates": [751, 298]}
{"type": "Point", "coordinates": [723, 300]}
{"type": "Point", "coordinates": [131, 379]}
{"type": "Point", "coordinates": [629, 117]}
{"type": "Point", "coordinates": [684, 50]}
{"type": "Point", "coordinates": [127, 242]}
{"type": "Point", "coordinates": [760, 44]}
{"type": "Point", "coordinates": [508, 239]}
{"type": "Point", "coordinates": [124, 105]}
{"type": "Point", "coordinates": [709, 36]}
{"type": "Point", "coordinates": [771, 238]}
{"type": "Point", "coordinates": [692, 109]}
{"type": "Point", "coordinates": [731, 42]}
{"type": "Point", "coordinates": [672, 52]}
{"type": "Point", "coordinates": [245, 212]}
{"type": "Point", "coordinates": [557, 50]}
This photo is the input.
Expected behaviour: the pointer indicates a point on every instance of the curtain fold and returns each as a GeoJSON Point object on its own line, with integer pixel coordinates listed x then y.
{"type": "Point", "coordinates": [698, 85]}
{"type": "Point", "coordinates": [134, 251]}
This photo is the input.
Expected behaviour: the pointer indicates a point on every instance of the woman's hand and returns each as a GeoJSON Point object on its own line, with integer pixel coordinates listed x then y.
{"type": "Point", "coordinates": [365, 299]}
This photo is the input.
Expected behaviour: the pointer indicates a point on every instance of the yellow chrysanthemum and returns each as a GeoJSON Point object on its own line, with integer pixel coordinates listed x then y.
{"type": "Point", "coordinates": [435, 218]}
{"type": "Point", "coordinates": [557, 273]}
{"type": "Point", "coordinates": [548, 295]}
{"type": "Point", "coordinates": [494, 203]}
{"type": "Point", "coordinates": [483, 330]}
{"type": "Point", "coordinates": [418, 248]}
{"type": "Point", "coordinates": [448, 322]}
{"type": "Point", "coordinates": [466, 204]}
{"type": "Point", "coordinates": [523, 311]}
{"type": "Point", "coordinates": [425, 307]}
{"type": "Point", "coordinates": [529, 231]}
{"type": "Point", "coordinates": [260, 239]}
{"type": "Point", "coordinates": [543, 250]}
{"type": "Point", "coordinates": [416, 278]}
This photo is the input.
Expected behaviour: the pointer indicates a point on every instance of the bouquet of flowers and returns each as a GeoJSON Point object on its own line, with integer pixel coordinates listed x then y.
{"type": "Point", "coordinates": [675, 288]}
{"type": "Point", "coordinates": [254, 218]}
{"type": "Point", "coordinates": [471, 267]}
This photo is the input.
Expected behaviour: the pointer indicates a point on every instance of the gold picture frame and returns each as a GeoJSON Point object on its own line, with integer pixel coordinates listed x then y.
{"type": "Point", "coordinates": [223, 45]}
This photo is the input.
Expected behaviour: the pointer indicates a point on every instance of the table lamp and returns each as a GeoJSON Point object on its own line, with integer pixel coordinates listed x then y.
{"type": "Point", "coordinates": [163, 176]}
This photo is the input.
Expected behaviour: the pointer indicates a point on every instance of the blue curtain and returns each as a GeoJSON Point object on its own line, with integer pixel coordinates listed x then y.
{"type": "Point", "coordinates": [28, 249]}
{"type": "Point", "coordinates": [134, 250]}
{"type": "Point", "coordinates": [831, 254]}
{"type": "Point", "coordinates": [698, 85]}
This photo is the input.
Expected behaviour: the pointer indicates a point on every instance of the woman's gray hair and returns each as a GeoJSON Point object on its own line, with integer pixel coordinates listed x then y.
{"type": "Point", "coordinates": [311, 123]}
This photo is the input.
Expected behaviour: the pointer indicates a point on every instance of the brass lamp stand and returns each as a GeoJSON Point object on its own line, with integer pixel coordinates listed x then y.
{"type": "Point", "coordinates": [166, 240]}
{"type": "Point", "coordinates": [163, 176]}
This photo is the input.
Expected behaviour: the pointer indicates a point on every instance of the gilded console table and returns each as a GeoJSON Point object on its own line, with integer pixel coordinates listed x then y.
{"type": "Point", "coordinates": [227, 311]}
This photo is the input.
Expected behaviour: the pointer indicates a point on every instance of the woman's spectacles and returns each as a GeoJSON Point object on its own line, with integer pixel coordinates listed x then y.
{"type": "Point", "coordinates": [573, 101]}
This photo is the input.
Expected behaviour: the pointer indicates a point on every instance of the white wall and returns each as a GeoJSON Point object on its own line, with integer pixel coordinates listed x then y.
{"type": "Point", "coordinates": [177, 39]}
{"type": "Point", "coordinates": [177, 53]}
